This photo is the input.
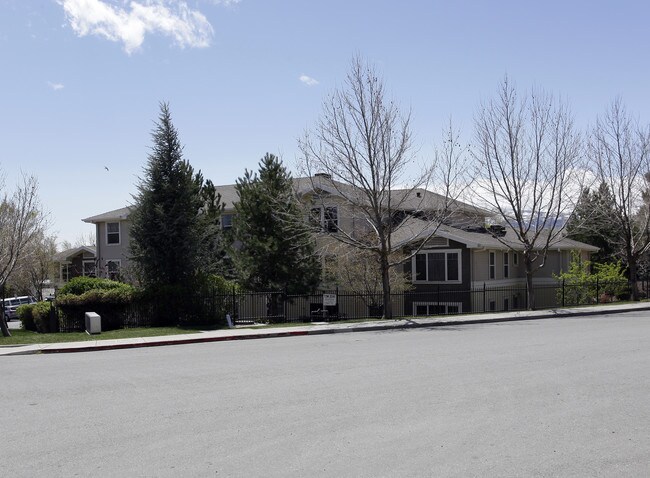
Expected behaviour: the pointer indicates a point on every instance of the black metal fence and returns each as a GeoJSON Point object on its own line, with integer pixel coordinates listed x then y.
{"type": "Point", "coordinates": [333, 305]}
{"type": "Point", "coordinates": [210, 308]}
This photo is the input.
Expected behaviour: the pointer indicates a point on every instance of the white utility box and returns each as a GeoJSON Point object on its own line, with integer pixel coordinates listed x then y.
{"type": "Point", "coordinates": [93, 323]}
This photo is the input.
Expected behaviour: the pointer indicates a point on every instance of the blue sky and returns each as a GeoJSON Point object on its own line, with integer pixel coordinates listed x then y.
{"type": "Point", "coordinates": [81, 80]}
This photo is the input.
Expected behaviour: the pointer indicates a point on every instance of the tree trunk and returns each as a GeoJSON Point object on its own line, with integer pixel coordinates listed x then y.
{"type": "Point", "coordinates": [632, 268]}
{"type": "Point", "coordinates": [3, 323]}
{"type": "Point", "coordinates": [385, 282]}
{"type": "Point", "coordinates": [530, 292]}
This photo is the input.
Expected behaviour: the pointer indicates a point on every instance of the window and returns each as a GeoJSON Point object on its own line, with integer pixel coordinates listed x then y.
{"type": "Point", "coordinates": [65, 272]}
{"type": "Point", "coordinates": [226, 221]}
{"type": "Point", "coordinates": [327, 218]}
{"type": "Point", "coordinates": [112, 233]}
{"type": "Point", "coordinates": [515, 258]}
{"type": "Point", "coordinates": [89, 268]}
{"type": "Point", "coordinates": [113, 269]}
{"type": "Point", "coordinates": [506, 265]}
{"type": "Point", "coordinates": [437, 308]}
{"type": "Point", "coordinates": [331, 219]}
{"type": "Point", "coordinates": [492, 265]}
{"type": "Point", "coordinates": [437, 266]}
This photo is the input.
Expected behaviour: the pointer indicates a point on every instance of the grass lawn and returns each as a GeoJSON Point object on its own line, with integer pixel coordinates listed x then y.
{"type": "Point", "coordinates": [26, 337]}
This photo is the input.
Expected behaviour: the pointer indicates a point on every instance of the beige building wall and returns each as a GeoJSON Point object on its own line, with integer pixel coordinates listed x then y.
{"type": "Point", "coordinates": [108, 252]}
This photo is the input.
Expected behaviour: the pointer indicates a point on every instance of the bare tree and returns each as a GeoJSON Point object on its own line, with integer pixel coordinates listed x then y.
{"type": "Point", "coordinates": [619, 149]}
{"type": "Point", "coordinates": [36, 268]}
{"type": "Point", "coordinates": [527, 152]}
{"type": "Point", "coordinates": [361, 149]}
{"type": "Point", "coordinates": [357, 271]}
{"type": "Point", "coordinates": [21, 220]}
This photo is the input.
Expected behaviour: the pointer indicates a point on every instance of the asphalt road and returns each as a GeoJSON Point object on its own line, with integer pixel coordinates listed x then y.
{"type": "Point", "coordinates": [560, 397]}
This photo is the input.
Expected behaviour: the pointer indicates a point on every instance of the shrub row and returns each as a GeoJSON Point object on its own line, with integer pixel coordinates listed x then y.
{"type": "Point", "coordinates": [35, 317]}
{"type": "Point", "coordinates": [121, 305]}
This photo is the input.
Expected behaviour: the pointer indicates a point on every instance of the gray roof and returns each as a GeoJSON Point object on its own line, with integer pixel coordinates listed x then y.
{"type": "Point", "coordinates": [229, 195]}
{"type": "Point", "coordinates": [117, 214]}
{"type": "Point", "coordinates": [403, 199]}
{"type": "Point", "coordinates": [65, 256]}
{"type": "Point", "coordinates": [413, 230]}
{"type": "Point", "coordinates": [414, 199]}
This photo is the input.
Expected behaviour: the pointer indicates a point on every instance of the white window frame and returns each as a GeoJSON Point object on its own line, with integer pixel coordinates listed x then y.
{"type": "Point", "coordinates": [64, 272]}
{"type": "Point", "coordinates": [437, 304]}
{"type": "Point", "coordinates": [83, 266]}
{"type": "Point", "coordinates": [506, 265]}
{"type": "Point", "coordinates": [119, 234]}
{"type": "Point", "coordinates": [116, 261]}
{"type": "Point", "coordinates": [492, 265]}
{"type": "Point", "coordinates": [438, 251]}
{"type": "Point", "coordinates": [322, 220]}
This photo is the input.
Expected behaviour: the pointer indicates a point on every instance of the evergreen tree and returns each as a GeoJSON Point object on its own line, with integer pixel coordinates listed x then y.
{"type": "Point", "coordinates": [275, 246]}
{"type": "Point", "coordinates": [593, 222]}
{"type": "Point", "coordinates": [214, 241]}
{"type": "Point", "coordinates": [165, 229]}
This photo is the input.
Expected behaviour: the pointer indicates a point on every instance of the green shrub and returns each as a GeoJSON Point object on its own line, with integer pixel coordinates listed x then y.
{"type": "Point", "coordinates": [81, 285]}
{"type": "Point", "coordinates": [41, 313]}
{"type": "Point", "coordinates": [119, 295]}
{"type": "Point", "coordinates": [221, 284]}
{"type": "Point", "coordinates": [107, 298]}
{"type": "Point", "coordinates": [582, 286]}
{"type": "Point", "coordinates": [35, 317]}
{"type": "Point", "coordinates": [26, 316]}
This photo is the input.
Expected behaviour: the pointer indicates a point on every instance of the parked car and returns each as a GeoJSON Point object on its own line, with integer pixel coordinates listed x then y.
{"type": "Point", "coordinates": [10, 305]}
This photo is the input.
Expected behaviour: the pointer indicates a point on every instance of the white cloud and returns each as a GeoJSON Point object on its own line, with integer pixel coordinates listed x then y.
{"type": "Point", "coordinates": [226, 3]}
{"type": "Point", "coordinates": [308, 80]}
{"type": "Point", "coordinates": [129, 22]}
{"type": "Point", "coordinates": [55, 86]}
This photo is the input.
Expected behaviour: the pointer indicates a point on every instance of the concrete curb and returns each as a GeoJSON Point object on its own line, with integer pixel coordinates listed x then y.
{"type": "Point", "coordinates": [333, 329]}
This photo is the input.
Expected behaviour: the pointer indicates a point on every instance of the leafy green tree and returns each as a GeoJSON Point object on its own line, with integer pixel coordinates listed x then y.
{"type": "Point", "coordinates": [585, 281]}
{"type": "Point", "coordinates": [274, 247]}
{"type": "Point", "coordinates": [165, 229]}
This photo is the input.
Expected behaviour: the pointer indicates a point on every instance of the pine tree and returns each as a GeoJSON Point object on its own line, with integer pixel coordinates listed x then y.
{"type": "Point", "coordinates": [276, 249]}
{"type": "Point", "coordinates": [593, 222]}
{"type": "Point", "coordinates": [165, 233]}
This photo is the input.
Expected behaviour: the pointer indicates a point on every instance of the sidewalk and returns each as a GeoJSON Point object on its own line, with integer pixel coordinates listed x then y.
{"type": "Point", "coordinates": [317, 329]}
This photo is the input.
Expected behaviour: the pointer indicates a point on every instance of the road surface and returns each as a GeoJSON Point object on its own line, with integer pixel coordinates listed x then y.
{"type": "Point", "coordinates": [559, 397]}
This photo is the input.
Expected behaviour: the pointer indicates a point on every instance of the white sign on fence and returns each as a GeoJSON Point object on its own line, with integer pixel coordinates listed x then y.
{"type": "Point", "coordinates": [329, 300]}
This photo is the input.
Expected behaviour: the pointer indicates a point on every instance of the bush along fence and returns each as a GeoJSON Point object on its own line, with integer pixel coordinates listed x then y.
{"type": "Point", "coordinates": [208, 307]}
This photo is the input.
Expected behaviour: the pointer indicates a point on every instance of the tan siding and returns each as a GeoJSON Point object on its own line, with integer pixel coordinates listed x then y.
{"type": "Point", "coordinates": [480, 264]}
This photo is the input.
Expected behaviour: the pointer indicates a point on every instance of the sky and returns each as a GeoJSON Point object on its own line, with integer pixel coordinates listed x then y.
{"type": "Point", "coordinates": [81, 81]}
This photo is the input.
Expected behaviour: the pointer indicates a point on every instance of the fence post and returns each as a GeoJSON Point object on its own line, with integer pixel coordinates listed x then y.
{"type": "Point", "coordinates": [526, 301]}
{"type": "Point", "coordinates": [597, 291]}
{"type": "Point", "coordinates": [338, 311]}
{"type": "Point", "coordinates": [563, 291]}
{"type": "Point", "coordinates": [234, 298]}
{"type": "Point", "coordinates": [484, 297]}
